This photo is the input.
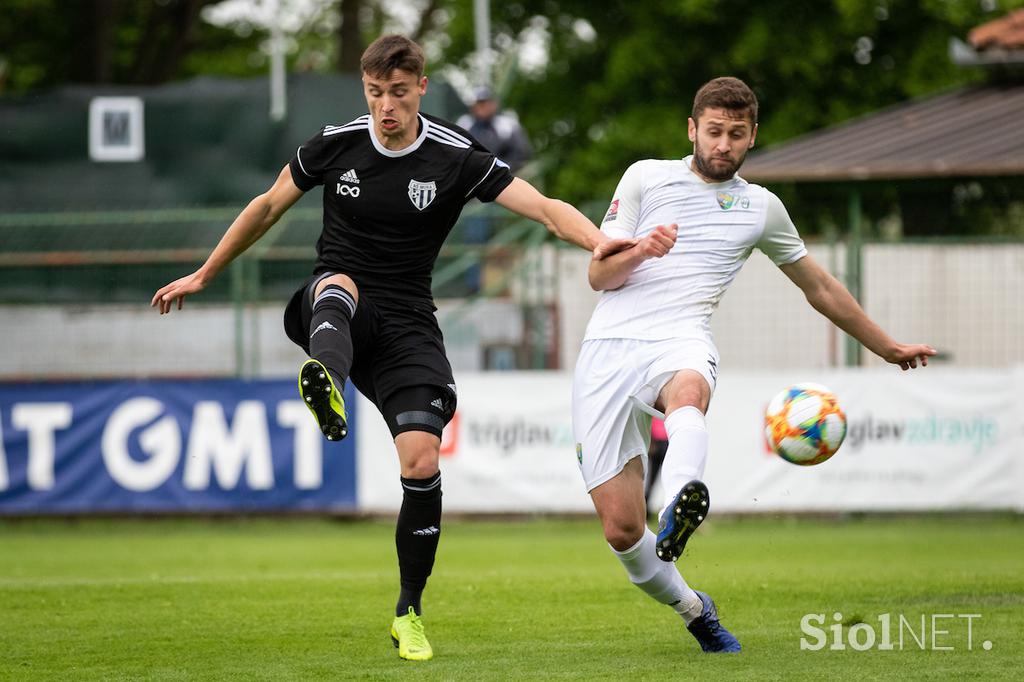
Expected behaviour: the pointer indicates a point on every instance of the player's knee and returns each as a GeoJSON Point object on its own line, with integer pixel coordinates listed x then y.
{"type": "Point", "coordinates": [622, 534]}
{"type": "Point", "coordinates": [421, 467]}
{"type": "Point", "coordinates": [343, 281]}
{"type": "Point", "coordinates": [418, 455]}
{"type": "Point", "coordinates": [688, 389]}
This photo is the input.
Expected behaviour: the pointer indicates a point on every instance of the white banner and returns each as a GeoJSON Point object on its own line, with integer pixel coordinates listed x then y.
{"type": "Point", "coordinates": [920, 440]}
{"type": "Point", "coordinates": [508, 449]}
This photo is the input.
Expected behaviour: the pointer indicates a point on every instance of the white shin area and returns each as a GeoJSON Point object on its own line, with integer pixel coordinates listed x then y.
{"type": "Point", "coordinates": [659, 579]}
{"type": "Point", "coordinates": [687, 450]}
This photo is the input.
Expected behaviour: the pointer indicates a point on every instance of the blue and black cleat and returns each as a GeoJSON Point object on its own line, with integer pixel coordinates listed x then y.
{"type": "Point", "coordinates": [709, 632]}
{"type": "Point", "coordinates": [681, 518]}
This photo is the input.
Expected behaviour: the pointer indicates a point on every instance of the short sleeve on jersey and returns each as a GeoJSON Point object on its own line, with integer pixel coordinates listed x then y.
{"type": "Point", "coordinates": [623, 212]}
{"type": "Point", "coordinates": [308, 164]}
{"type": "Point", "coordinates": [779, 240]}
{"type": "Point", "coordinates": [486, 175]}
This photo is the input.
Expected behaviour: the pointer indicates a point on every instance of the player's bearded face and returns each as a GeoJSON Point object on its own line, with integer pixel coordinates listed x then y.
{"type": "Point", "coordinates": [721, 140]}
{"type": "Point", "coordinates": [394, 103]}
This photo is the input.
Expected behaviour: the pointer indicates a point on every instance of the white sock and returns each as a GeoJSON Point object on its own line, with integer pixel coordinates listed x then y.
{"type": "Point", "coordinates": [659, 579]}
{"type": "Point", "coordinates": [687, 450]}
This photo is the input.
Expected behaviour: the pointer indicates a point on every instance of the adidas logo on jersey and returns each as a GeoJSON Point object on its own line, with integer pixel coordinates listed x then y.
{"type": "Point", "coordinates": [437, 403]}
{"type": "Point", "coordinates": [323, 325]}
{"type": "Point", "coordinates": [350, 176]}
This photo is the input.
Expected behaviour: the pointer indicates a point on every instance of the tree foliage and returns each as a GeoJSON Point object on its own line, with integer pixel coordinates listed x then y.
{"type": "Point", "coordinates": [602, 103]}
{"type": "Point", "coordinates": [44, 43]}
{"type": "Point", "coordinates": [618, 79]}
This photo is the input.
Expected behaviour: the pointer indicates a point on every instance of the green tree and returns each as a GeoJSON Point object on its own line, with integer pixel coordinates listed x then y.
{"type": "Point", "coordinates": [44, 43]}
{"type": "Point", "coordinates": [625, 94]}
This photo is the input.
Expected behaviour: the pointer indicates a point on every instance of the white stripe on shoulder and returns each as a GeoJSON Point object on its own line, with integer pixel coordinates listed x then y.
{"type": "Point", "coordinates": [473, 189]}
{"type": "Point", "coordinates": [299, 158]}
{"type": "Point", "coordinates": [352, 127]}
{"type": "Point", "coordinates": [445, 140]}
{"type": "Point", "coordinates": [437, 127]}
{"type": "Point", "coordinates": [345, 129]}
{"type": "Point", "coordinates": [361, 119]}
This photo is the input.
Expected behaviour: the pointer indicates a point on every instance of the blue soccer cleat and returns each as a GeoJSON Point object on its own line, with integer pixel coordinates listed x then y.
{"type": "Point", "coordinates": [709, 633]}
{"type": "Point", "coordinates": [681, 518]}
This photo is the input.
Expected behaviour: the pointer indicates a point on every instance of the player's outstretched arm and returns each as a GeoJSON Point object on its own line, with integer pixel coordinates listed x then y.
{"type": "Point", "coordinates": [613, 271]}
{"type": "Point", "coordinates": [561, 219]}
{"type": "Point", "coordinates": [830, 298]}
{"type": "Point", "coordinates": [251, 224]}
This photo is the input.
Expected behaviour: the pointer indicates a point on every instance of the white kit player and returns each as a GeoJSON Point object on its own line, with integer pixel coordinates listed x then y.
{"type": "Point", "coordinates": [648, 349]}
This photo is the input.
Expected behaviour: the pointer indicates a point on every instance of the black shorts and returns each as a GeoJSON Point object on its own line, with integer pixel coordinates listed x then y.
{"type": "Point", "coordinates": [398, 358]}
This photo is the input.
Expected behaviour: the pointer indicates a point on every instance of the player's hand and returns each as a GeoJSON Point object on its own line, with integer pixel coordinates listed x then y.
{"type": "Point", "coordinates": [610, 247]}
{"type": "Point", "coordinates": [908, 355]}
{"type": "Point", "coordinates": [176, 291]}
{"type": "Point", "coordinates": [659, 242]}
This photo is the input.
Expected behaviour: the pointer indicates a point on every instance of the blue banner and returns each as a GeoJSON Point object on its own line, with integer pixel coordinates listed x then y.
{"type": "Point", "coordinates": [168, 446]}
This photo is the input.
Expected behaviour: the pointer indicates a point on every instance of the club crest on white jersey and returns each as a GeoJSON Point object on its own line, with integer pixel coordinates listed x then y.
{"type": "Point", "coordinates": [422, 193]}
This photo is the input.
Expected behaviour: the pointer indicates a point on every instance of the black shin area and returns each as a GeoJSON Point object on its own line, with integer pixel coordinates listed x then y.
{"type": "Point", "coordinates": [416, 536]}
{"type": "Point", "coordinates": [330, 337]}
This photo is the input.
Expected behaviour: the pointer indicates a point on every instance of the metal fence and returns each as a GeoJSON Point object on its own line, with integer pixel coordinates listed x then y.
{"type": "Point", "coordinates": [75, 288]}
{"type": "Point", "coordinates": [91, 276]}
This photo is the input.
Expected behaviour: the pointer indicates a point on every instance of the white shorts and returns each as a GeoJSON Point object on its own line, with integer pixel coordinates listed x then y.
{"type": "Point", "coordinates": [614, 388]}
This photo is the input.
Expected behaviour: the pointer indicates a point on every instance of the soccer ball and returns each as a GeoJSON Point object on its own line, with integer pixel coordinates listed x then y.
{"type": "Point", "coordinates": [804, 424]}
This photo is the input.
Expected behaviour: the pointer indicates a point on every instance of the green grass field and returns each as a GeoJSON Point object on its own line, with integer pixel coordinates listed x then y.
{"type": "Point", "coordinates": [536, 599]}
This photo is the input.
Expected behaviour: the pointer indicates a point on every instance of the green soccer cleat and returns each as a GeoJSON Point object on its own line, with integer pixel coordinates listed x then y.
{"type": "Point", "coordinates": [408, 636]}
{"type": "Point", "coordinates": [323, 399]}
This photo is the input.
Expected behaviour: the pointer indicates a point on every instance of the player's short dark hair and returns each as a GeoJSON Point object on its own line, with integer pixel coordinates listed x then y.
{"type": "Point", "coordinates": [726, 93]}
{"type": "Point", "coordinates": [391, 52]}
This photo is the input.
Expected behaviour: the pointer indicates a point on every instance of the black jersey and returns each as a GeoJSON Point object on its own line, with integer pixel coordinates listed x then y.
{"type": "Point", "coordinates": [387, 213]}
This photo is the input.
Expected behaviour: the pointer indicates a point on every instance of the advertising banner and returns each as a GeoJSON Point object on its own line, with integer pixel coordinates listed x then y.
{"type": "Point", "coordinates": [167, 446]}
{"type": "Point", "coordinates": [508, 449]}
{"type": "Point", "coordinates": [923, 440]}
{"type": "Point", "coordinates": [919, 440]}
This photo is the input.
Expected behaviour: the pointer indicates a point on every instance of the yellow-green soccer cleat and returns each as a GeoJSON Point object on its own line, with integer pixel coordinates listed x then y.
{"type": "Point", "coordinates": [323, 399]}
{"type": "Point", "coordinates": [407, 634]}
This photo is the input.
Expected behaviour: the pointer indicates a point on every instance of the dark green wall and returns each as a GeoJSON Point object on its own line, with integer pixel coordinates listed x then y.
{"type": "Point", "coordinates": [209, 142]}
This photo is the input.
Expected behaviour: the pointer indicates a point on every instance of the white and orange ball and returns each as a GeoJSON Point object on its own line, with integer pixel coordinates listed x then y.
{"type": "Point", "coordinates": [804, 424]}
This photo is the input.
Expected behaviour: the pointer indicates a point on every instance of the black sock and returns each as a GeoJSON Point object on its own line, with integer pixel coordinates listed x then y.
{"type": "Point", "coordinates": [330, 337]}
{"type": "Point", "coordinates": [416, 536]}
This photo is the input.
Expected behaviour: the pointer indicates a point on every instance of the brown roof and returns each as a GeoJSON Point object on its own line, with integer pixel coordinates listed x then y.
{"type": "Point", "coordinates": [1006, 32]}
{"type": "Point", "coordinates": [971, 131]}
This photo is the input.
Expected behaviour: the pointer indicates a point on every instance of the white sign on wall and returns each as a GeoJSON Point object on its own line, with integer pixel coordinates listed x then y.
{"type": "Point", "coordinates": [929, 439]}
{"type": "Point", "coordinates": [116, 129]}
{"type": "Point", "coordinates": [508, 449]}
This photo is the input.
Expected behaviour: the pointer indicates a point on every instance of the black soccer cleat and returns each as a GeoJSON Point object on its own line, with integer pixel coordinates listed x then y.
{"type": "Point", "coordinates": [681, 518]}
{"type": "Point", "coordinates": [323, 399]}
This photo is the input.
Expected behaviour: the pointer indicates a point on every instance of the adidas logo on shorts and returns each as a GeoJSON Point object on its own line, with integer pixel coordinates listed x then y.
{"type": "Point", "coordinates": [430, 530]}
{"type": "Point", "coordinates": [350, 176]}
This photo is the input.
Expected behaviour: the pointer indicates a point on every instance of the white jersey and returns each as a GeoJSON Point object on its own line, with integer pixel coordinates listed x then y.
{"type": "Point", "coordinates": [719, 225]}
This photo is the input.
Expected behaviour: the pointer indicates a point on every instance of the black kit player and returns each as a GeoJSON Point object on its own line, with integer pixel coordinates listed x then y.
{"type": "Point", "coordinates": [395, 182]}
